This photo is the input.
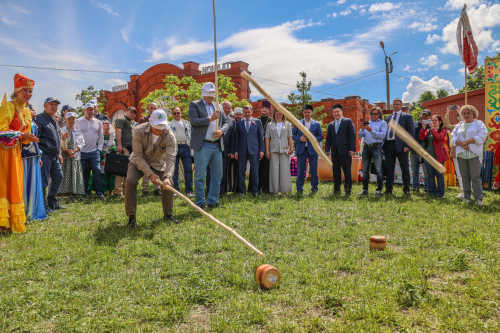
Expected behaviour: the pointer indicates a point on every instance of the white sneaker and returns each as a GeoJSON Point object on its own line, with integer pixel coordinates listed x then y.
{"type": "Point", "coordinates": [479, 203]}
{"type": "Point", "coordinates": [460, 196]}
{"type": "Point", "coordinates": [190, 194]}
{"type": "Point", "coordinates": [466, 200]}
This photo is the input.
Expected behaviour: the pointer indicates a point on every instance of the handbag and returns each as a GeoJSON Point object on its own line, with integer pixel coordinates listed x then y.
{"type": "Point", "coordinates": [116, 164]}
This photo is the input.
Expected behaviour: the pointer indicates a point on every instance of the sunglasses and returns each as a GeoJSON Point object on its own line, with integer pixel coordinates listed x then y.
{"type": "Point", "coordinates": [176, 113]}
{"type": "Point", "coordinates": [374, 114]}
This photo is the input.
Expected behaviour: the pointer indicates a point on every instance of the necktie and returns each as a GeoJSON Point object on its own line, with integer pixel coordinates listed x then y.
{"type": "Point", "coordinates": [247, 124]}
{"type": "Point", "coordinates": [391, 134]}
{"type": "Point", "coordinates": [337, 122]}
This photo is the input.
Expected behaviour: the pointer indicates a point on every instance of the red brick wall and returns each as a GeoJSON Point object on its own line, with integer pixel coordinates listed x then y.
{"type": "Point", "coordinates": [475, 98]}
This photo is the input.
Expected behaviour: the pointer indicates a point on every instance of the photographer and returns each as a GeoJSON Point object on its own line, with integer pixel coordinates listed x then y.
{"type": "Point", "coordinates": [417, 160]}
{"type": "Point", "coordinates": [374, 132]}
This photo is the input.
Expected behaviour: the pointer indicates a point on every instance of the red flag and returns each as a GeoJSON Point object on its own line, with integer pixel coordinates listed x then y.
{"type": "Point", "coordinates": [466, 44]}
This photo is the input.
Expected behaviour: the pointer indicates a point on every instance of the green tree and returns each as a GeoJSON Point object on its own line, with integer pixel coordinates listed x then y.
{"type": "Point", "coordinates": [303, 98]}
{"type": "Point", "coordinates": [442, 93]}
{"type": "Point", "coordinates": [179, 92]}
{"type": "Point", "coordinates": [425, 97]}
{"type": "Point", "coordinates": [89, 94]}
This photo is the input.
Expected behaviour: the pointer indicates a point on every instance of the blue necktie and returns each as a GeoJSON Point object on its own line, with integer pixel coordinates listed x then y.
{"type": "Point", "coordinates": [337, 122]}
{"type": "Point", "coordinates": [247, 126]}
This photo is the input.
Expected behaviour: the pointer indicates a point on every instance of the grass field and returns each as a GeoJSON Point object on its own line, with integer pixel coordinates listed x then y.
{"type": "Point", "coordinates": [85, 271]}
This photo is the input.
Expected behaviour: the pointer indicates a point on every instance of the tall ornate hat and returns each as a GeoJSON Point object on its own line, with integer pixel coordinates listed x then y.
{"type": "Point", "coordinates": [266, 104]}
{"type": "Point", "coordinates": [21, 81]}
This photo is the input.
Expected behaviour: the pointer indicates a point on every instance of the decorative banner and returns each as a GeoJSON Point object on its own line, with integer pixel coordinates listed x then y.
{"type": "Point", "coordinates": [492, 104]}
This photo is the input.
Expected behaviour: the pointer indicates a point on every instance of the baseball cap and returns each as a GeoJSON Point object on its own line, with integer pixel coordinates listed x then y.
{"type": "Point", "coordinates": [238, 110]}
{"type": "Point", "coordinates": [159, 120]}
{"type": "Point", "coordinates": [51, 99]}
{"type": "Point", "coordinates": [208, 89]}
{"type": "Point", "coordinates": [131, 108]}
{"type": "Point", "coordinates": [88, 105]}
{"type": "Point", "coordinates": [427, 111]}
{"type": "Point", "coordinates": [69, 114]}
{"type": "Point", "coordinates": [67, 107]}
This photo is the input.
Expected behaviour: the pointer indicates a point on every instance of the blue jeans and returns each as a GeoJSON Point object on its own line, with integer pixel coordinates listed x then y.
{"type": "Point", "coordinates": [92, 161]}
{"type": "Point", "coordinates": [51, 168]}
{"type": "Point", "coordinates": [184, 154]}
{"type": "Point", "coordinates": [374, 153]}
{"type": "Point", "coordinates": [416, 160]}
{"type": "Point", "coordinates": [313, 168]}
{"type": "Point", "coordinates": [432, 175]}
{"type": "Point", "coordinates": [209, 154]}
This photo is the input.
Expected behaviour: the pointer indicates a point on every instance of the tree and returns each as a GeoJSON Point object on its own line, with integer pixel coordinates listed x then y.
{"type": "Point", "coordinates": [179, 92]}
{"type": "Point", "coordinates": [304, 98]}
{"type": "Point", "coordinates": [442, 93]}
{"type": "Point", "coordinates": [89, 94]}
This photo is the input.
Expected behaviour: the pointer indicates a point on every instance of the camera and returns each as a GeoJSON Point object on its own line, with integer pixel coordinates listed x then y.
{"type": "Point", "coordinates": [453, 107]}
{"type": "Point", "coordinates": [366, 123]}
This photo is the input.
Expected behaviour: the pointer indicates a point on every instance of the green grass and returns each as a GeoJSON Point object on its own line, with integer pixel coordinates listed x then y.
{"type": "Point", "coordinates": [85, 271]}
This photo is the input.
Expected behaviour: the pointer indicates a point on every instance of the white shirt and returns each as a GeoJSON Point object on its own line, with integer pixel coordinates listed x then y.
{"type": "Point", "coordinates": [211, 127]}
{"type": "Point", "coordinates": [391, 135]}
{"type": "Point", "coordinates": [279, 126]}
{"type": "Point", "coordinates": [92, 133]}
{"type": "Point", "coordinates": [308, 126]}
{"type": "Point", "coordinates": [155, 138]}
{"type": "Point", "coordinates": [476, 130]}
{"type": "Point", "coordinates": [180, 131]}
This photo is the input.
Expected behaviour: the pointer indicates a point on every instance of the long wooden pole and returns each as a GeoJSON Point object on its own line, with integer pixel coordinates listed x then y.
{"type": "Point", "coordinates": [410, 141]}
{"type": "Point", "coordinates": [465, 72]}
{"type": "Point", "coordinates": [213, 219]}
{"type": "Point", "coordinates": [289, 116]}
{"type": "Point", "coordinates": [216, 75]}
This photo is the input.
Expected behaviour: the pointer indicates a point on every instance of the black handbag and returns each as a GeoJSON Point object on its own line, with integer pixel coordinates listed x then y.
{"type": "Point", "coordinates": [116, 164]}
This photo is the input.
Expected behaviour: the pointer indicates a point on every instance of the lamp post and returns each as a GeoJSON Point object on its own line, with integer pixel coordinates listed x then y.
{"type": "Point", "coordinates": [388, 69]}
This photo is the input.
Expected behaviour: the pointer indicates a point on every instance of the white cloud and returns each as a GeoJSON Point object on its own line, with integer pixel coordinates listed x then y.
{"type": "Point", "coordinates": [418, 86]}
{"type": "Point", "coordinates": [355, 7]}
{"type": "Point", "coordinates": [459, 4]}
{"type": "Point", "coordinates": [334, 14]}
{"type": "Point", "coordinates": [20, 9]}
{"type": "Point", "coordinates": [421, 26]}
{"type": "Point", "coordinates": [445, 66]}
{"type": "Point", "coordinates": [115, 82]}
{"type": "Point", "coordinates": [104, 6]}
{"type": "Point", "coordinates": [362, 11]}
{"type": "Point", "coordinates": [495, 46]}
{"type": "Point", "coordinates": [431, 39]}
{"type": "Point", "coordinates": [345, 12]}
{"type": "Point", "coordinates": [461, 70]}
{"type": "Point", "coordinates": [327, 15]}
{"type": "Point", "coordinates": [128, 29]}
{"type": "Point", "coordinates": [407, 68]}
{"type": "Point", "coordinates": [429, 61]}
{"type": "Point", "coordinates": [481, 19]}
{"type": "Point", "coordinates": [383, 7]}
{"type": "Point", "coordinates": [339, 2]}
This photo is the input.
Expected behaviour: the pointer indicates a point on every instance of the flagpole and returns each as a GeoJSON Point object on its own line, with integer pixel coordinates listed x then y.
{"type": "Point", "coordinates": [465, 71]}
{"type": "Point", "coordinates": [216, 75]}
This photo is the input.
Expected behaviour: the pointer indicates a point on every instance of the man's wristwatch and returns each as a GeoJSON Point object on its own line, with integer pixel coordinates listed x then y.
{"type": "Point", "coordinates": [168, 178]}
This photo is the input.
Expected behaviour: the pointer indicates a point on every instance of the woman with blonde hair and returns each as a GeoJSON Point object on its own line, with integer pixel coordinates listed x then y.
{"type": "Point", "coordinates": [279, 146]}
{"type": "Point", "coordinates": [469, 136]}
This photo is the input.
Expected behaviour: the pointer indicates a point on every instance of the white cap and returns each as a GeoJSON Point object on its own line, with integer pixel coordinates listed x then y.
{"type": "Point", "coordinates": [238, 110]}
{"type": "Point", "coordinates": [93, 101]}
{"type": "Point", "coordinates": [69, 114]}
{"type": "Point", "coordinates": [208, 89]}
{"type": "Point", "coordinates": [88, 105]}
{"type": "Point", "coordinates": [159, 120]}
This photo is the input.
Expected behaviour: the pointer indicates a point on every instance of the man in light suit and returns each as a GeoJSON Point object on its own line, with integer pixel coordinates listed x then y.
{"type": "Point", "coordinates": [394, 148]}
{"type": "Point", "coordinates": [341, 145]}
{"type": "Point", "coordinates": [249, 146]}
{"type": "Point", "coordinates": [305, 151]}
{"type": "Point", "coordinates": [207, 145]}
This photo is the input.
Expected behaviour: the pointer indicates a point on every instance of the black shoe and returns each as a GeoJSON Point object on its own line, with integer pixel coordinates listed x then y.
{"type": "Point", "coordinates": [101, 196]}
{"type": "Point", "coordinates": [256, 195]}
{"type": "Point", "coordinates": [85, 197]}
{"type": "Point", "coordinates": [170, 218]}
{"type": "Point", "coordinates": [217, 205]}
{"type": "Point", "coordinates": [314, 191]}
{"type": "Point", "coordinates": [336, 192]}
{"type": "Point", "coordinates": [202, 207]}
{"type": "Point", "coordinates": [300, 192]}
{"type": "Point", "coordinates": [407, 193]}
{"type": "Point", "coordinates": [49, 210]}
{"type": "Point", "coordinates": [156, 193]}
{"type": "Point", "coordinates": [144, 194]}
{"type": "Point", "coordinates": [388, 193]}
{"type": "Point", "coordinates": [378, 193]}
{"type": "Point", "coordinates": [132, 223]}
{"type": "Point", "coordinates": [347, 193]}
{"type": "Point", "coordinates": [363, 192]}
{"type": "Point", "coordinates": [57, 206]}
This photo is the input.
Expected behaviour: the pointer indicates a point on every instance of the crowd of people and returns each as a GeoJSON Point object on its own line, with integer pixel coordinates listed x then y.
{"type": "Point", "coordinates": [65, 156]}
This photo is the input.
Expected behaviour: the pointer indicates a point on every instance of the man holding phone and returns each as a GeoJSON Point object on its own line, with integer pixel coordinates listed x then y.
{"type": "Point", "coordinates": [417, 160]}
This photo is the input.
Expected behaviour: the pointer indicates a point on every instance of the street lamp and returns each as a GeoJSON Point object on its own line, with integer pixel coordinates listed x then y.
{"type": "Point", "coordinates": [388, 69]}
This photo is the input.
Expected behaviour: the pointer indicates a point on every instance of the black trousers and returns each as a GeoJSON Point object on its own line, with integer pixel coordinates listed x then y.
{"type": "Point", "coordinates": [341, 163]}
{"type": "Point", "coordinates": [391, 154]}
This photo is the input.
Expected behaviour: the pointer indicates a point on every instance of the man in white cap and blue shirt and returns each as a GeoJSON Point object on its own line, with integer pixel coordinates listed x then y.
{"type": "Point", "coordinates": [154, 149]}
{"type": "Point", "coordinates": [207, 145]}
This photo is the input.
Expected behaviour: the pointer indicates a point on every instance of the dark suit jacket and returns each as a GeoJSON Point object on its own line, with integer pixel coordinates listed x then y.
{"type": "Point", "coordinates": [344, 140]}
{"type": "Point", "coordinates": [227, 138]}
{"type": "Point", "coordinates": [299, 145]}
{"type": "Point", "coordinates": [198, 117]}
{"type": "Point", "coordinates": [406, 121]}
{"type": "Point", "coordinates": [251, 143]}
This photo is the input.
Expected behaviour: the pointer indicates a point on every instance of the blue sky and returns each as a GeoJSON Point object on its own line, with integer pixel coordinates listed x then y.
{"type": "Point", "coordinates": [334, 42]}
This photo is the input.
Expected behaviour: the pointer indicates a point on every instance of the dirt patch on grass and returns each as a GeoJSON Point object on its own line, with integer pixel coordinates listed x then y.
{"type": "Point", "coordinates": [198, 320]}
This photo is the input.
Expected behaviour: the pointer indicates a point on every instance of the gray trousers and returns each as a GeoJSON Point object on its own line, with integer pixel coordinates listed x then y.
{"type": "Point", "coordinates": [133, 176]}
{"type": "Point", "coordinates": [470, 170]}
{"type": "Point", "coordinates": [280, 179]}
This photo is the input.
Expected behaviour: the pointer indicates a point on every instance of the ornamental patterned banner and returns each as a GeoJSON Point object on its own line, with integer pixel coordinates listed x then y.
{"type": "Point", "coordinates": [492, 103]}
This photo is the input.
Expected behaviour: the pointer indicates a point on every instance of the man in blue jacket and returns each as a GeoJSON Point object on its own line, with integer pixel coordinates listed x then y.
{"type": "Point", "coordinates": [305, 150]}
{"type": "Point", "coordinates": [249, 146]}
{"type": "Point", "coordinates": [395, 148]}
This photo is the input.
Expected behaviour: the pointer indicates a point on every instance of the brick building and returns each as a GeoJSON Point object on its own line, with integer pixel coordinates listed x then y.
{"type": "Point", "coordinates": [140, 86]}
{"type": "Point", "coordinates": [439, 106]}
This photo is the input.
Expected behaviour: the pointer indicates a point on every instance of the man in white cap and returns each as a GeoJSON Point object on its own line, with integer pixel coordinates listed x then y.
{"type": "Point", "coordinates": [207, 145]}
{"type": "Point", "coordinates": [98, 115]}
{"type": "Point", "coordinates": [154, 150]}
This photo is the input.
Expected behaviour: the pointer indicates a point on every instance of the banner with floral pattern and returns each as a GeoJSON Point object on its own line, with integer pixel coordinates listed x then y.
{"type": "Point", "coordinates": [492, 103]}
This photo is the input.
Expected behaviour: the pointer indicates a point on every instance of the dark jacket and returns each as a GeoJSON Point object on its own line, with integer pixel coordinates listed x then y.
{"type": "Point", "coordinates": [251, 143]}
{"type": "Point", "coordinates": [344, 140]}
{"type": "Point", "coordinates": [297, 134]}
{"type": "Point", "coordinates": [228, 137]}
{"type": "Point", "coordinates": [199, 119]}
{"type": "Point", "coordinates": [49, 135]}
{"type": "Point", "coordinates": [406, 121]}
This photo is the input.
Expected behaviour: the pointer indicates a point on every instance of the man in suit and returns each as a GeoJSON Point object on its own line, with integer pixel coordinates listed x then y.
{"type": "Point", "coordinates": [341, 145]}
{"type": "Point", "coordinates": [226, 154]}
{"type": "Point", "coordinates": [249, 146]}
{"type": "Point", "coordinates": [395, 148]}
{"type": "Point", "coordinates": [153, 156]}
{"type": "Point", "coordinates": [265, 119]}
{"type": "Point", "coordinates": [207, 145]}
{"type": "Point", "coordinates": [305, 151]}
